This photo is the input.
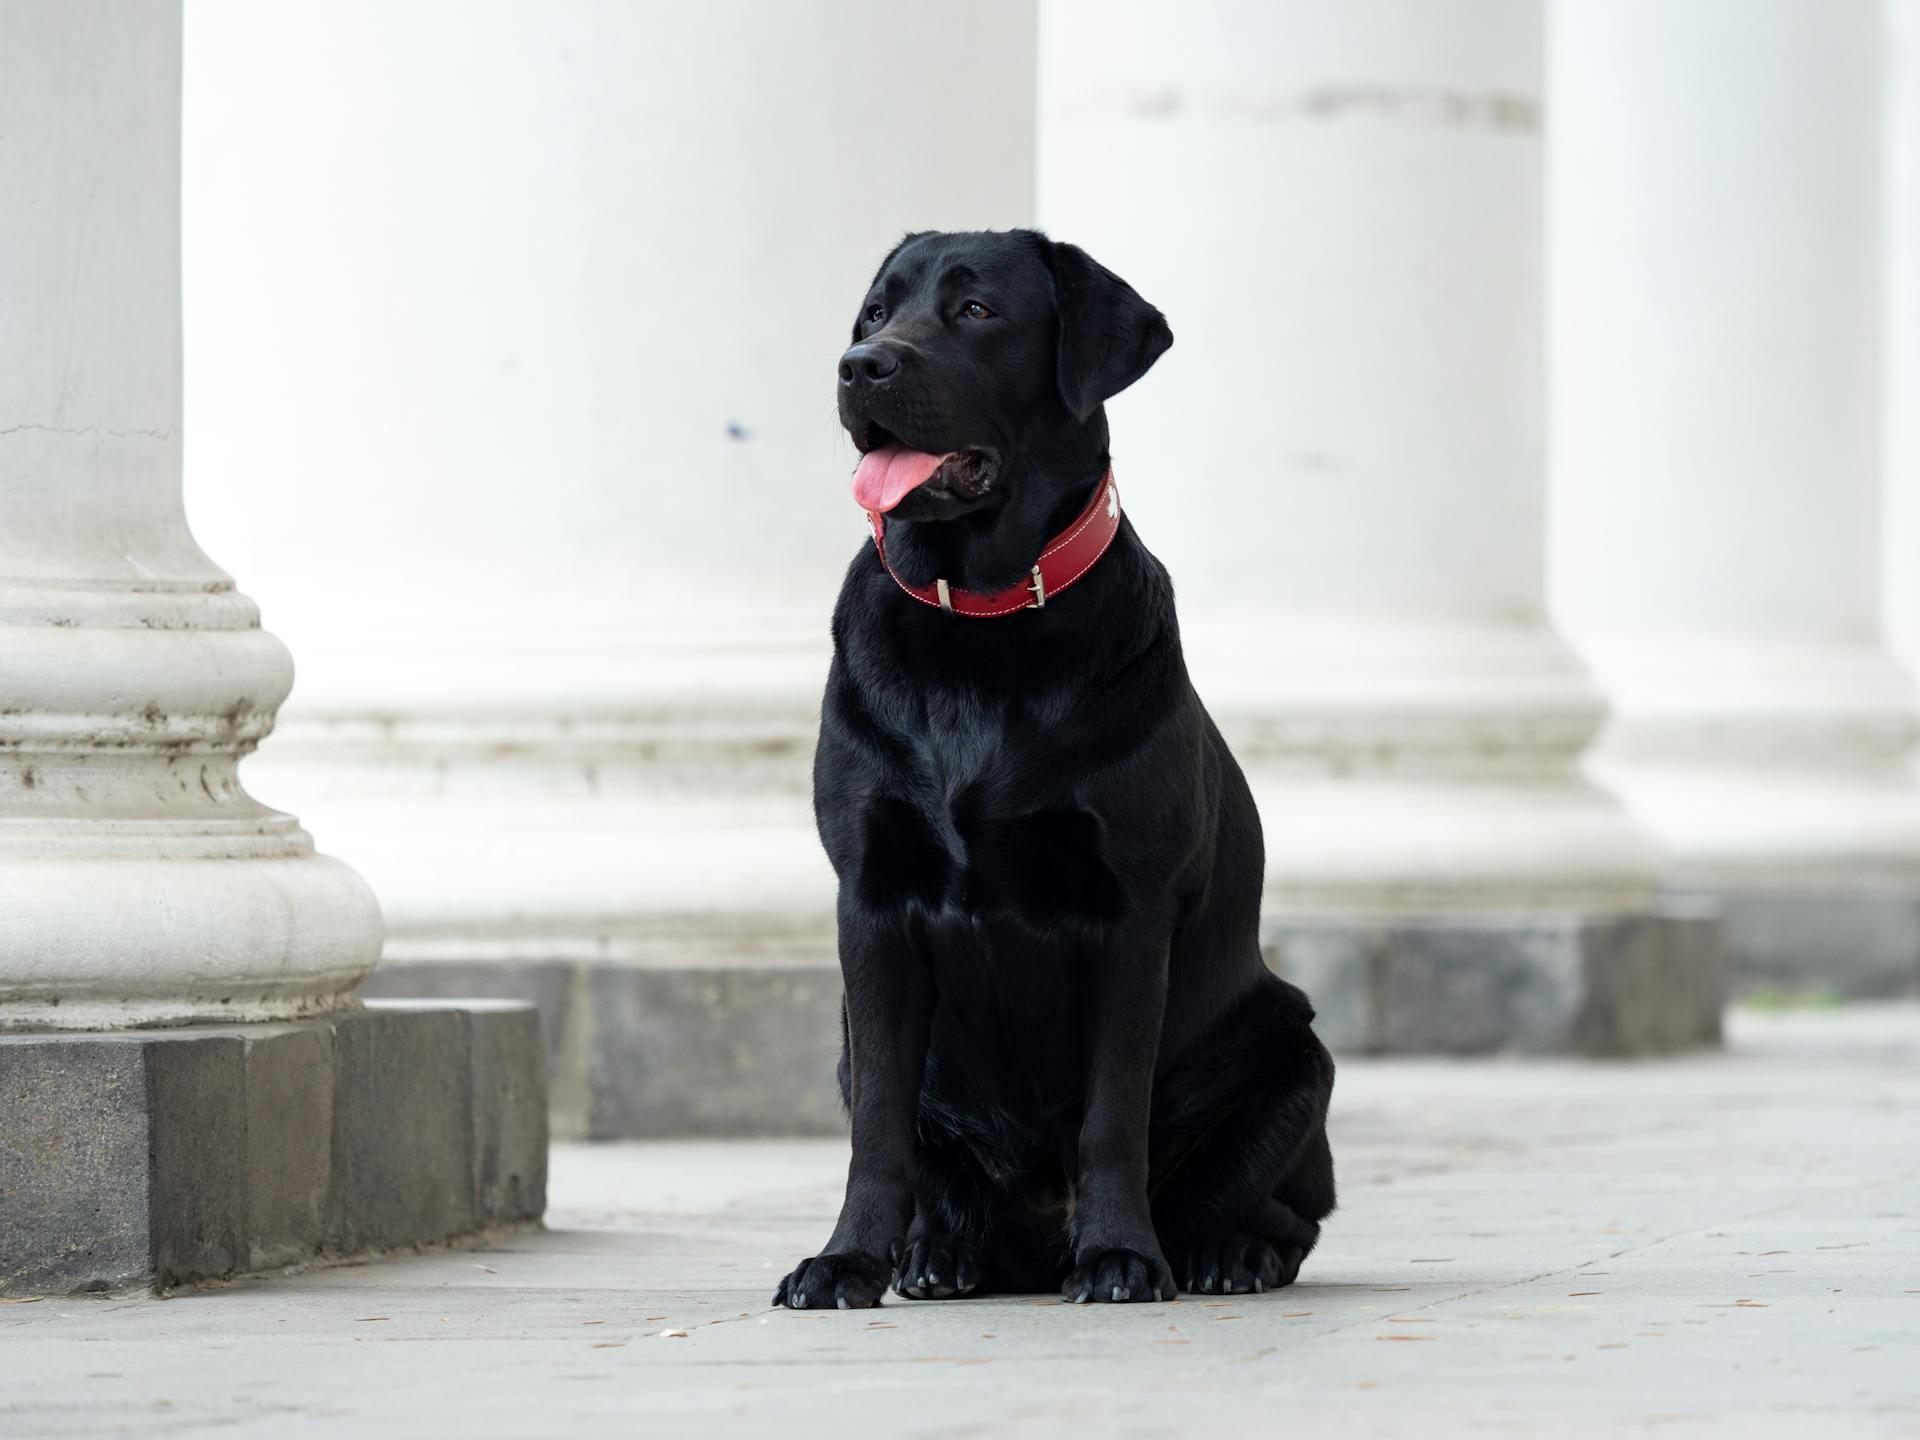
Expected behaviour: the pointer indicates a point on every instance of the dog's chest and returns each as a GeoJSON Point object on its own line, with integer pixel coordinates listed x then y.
{"type": "Point", "coordinates": [987, 823]}
{"type": "Point", "coordinates": [1018, 894]}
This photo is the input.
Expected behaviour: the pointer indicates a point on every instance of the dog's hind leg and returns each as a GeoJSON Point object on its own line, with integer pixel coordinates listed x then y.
{"type": "Point", "coordinates": [1244, 1174]}
{"type": "Point", "coordinates": [973, 1234]}
{"type": "Point", "coordinates": [952, 1219]}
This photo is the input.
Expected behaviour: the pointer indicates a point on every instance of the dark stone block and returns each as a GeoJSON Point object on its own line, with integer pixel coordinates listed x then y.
{"type": "Point", "coordinates": [509, 1084]}
{"type": "Point", "coordinates": [1476, 985]}
{"type": "Point", "coordinates": [747, 1050]}
{"type": "Point", "coordinates": [290, 1100]}
{"type": "Point", "coordinates": [1858, 946]}
{"type": "Point", "coordinates": [165, 1156]}
{"type": "Point", "coordinates": [74, 1170]}
{"type": "Point", "coordinates": [197, 1126]}
{"type": "Point", "coordinates": [554, 987]}
{"type": "Point", "coordinates": [1694, 938]}
{"type": "Point", "coordinates": [1473, 988]}
{"type": "Point", "coordinates": [403, 1162]}
{"type": "Point", "coordinates": [549, 986]}
{"type": "Point", "coordinates": [1622, 971]}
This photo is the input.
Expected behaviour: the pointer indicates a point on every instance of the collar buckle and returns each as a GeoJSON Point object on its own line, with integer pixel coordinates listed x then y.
{"type": "Point", "coordinates": [1039, 588]}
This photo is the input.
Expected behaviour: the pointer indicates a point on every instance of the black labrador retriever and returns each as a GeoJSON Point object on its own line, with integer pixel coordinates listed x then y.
{"type": "Point", "coordinates": [1066, 1064]}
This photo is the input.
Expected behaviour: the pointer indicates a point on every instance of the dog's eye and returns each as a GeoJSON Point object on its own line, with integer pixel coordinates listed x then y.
{"type": "Point", "coordinates": [876, 313]}
{"type": "Point", "coordinates": [974, 310]}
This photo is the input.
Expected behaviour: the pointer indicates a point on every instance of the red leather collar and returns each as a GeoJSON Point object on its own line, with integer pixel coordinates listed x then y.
{"type": "Point", "coordinates": [1068, 556]}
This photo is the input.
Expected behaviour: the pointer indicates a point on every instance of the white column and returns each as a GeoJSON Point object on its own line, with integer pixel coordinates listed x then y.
{"type": "Point", "coordinates": [1900, 272]}
{"type": "Point", "coordinates": [1341, 459]}
{"type": "Point", "coordinates": [513, 338]}
{"type": "Point", "coordinates": [139, 883]}
{"type": "Point", "coordinates": [1716, 311]}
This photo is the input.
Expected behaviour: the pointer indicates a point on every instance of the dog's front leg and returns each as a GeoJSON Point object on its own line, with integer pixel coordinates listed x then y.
{"type": "Point", "coordinates": [889, 1005]}
{"type": "Point", "coordinates": [1116, 1255]}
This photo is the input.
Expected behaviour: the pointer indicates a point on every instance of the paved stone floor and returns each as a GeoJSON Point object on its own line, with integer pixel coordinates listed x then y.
{"type": "Point", "coordinates": [1719, 1245]}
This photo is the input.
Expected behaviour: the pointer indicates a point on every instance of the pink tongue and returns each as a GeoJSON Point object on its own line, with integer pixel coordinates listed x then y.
{"type": "Point", "coordinates": [888, 475]}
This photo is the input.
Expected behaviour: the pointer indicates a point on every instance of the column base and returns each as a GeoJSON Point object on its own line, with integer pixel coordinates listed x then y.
{"type": "Point", "coordinates": [1814, 942]}
{"type": "Point", "coordinates": [1533, 984]}
{"type": "Point", "coordinates": [640, 1052]}
{"type": "Point", "coordinates": [153, 1158]}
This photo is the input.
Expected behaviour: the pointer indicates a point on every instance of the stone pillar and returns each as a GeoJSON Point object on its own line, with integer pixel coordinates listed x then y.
{"type": "Point", "coordinates": [1342, 463]}
{"type": "Point", "coordinates": [550, 497]}
{"type": "Point", "coordinates": [1716, 308]}
{"type": "Point", "coordinates": [1900, 346]}
{"type": "Point", "coordinates": [140, 885]}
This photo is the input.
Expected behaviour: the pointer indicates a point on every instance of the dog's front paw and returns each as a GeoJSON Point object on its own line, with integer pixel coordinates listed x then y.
{"type": "Point", "coordinates": [937, 1267]}
{"type": "Point", "coordinates": [850, 1281]}
{"type": "Point", "coordinates": [1237, 1264]}
{"type": "Point", "coordinates": [1118, 1276]}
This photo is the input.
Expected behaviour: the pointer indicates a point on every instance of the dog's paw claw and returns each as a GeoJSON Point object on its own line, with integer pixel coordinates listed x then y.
{"type": "Point", "coordinates": [1119, 1277]}
{"type": "Point", "coordinates": [1242, 1265]}
{"type": "Point", "coordinates": [850, 1281]}
{"type": "Point", "coordinates": [937, 1267]}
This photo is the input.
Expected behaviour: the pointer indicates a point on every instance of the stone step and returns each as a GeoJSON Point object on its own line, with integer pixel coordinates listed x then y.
{"type": "Point", "coordinates": [155, 1158]}
{"type": "Point", "coordinates": [750, 1049]}
{"type": "Point", "coordinates": [643, 1052]}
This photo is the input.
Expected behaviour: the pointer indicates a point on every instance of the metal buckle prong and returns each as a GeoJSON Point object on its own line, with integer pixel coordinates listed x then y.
{"type": "Point", "coordinates": [946, 598]}
{"type": "Point", "coordinates": [1039, 588]}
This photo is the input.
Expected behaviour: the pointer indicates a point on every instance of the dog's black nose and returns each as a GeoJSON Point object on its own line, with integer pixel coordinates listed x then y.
{"type": "Point", "coordinates": [868, 363]}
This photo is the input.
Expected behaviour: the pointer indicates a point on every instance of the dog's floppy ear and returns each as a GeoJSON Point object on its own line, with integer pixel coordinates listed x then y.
{"type": "Point", "coordinates": [1109, 336]}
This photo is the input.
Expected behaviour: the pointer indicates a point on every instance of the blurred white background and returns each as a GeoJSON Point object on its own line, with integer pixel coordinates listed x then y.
{"type": "Point", "coordinates": [1535, 364]}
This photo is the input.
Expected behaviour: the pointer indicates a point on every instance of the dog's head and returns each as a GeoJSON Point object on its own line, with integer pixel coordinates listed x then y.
{"type": "Point", "coordinates": [979, 366]}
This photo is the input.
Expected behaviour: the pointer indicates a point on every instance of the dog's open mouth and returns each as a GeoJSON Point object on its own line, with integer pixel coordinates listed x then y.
{"type": "Point", "coordinates": [889, 472]}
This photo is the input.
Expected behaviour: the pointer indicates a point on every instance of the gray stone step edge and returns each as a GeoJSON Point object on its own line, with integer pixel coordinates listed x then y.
{"type": "Point", "coordinates": [153, 1158]}
{"type": "Point", "coordinates": [749, 1049]}
{"type": "Point", "coordinates": [1598, 986]}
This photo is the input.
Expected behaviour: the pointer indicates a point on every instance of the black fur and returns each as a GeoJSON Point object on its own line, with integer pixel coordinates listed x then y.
{"type": "Point", "coordinates": [1066, 1064]}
